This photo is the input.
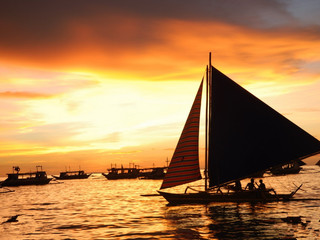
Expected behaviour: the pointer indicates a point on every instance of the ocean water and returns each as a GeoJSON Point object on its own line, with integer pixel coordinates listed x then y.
{"type": "Point", "coordinates": [97, 208]}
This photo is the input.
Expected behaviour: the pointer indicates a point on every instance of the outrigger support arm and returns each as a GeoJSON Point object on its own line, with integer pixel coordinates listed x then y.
{"type": "Point", "coordinates": [294, 192]}
{"type": "Point", "coordinates": [185, 191]}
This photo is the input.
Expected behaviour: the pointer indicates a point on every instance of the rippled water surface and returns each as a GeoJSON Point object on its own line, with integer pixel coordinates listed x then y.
{"type": "Point", "coordinates": [97, 208]}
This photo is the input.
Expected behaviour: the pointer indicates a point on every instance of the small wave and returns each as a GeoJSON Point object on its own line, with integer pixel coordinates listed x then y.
{"type": "Point", "coordinates": [42, 204]}
{"type": "Point", "coordinates": [147, 235]}
{"type": "Point", "coordinates": [86, 227]}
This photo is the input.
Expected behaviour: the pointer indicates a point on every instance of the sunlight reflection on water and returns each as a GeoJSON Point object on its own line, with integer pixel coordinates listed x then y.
{"type": "Point", "coordinates": [96, 208]}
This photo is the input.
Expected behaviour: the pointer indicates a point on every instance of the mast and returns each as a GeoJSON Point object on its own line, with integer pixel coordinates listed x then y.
{"type": "Point", "coordinates": [208, 116]}
{"type": "Point", "coordinates": [206, 134]}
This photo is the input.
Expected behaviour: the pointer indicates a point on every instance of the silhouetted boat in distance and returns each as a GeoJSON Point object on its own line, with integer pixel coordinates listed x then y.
{"type": "Point", "coordinates": [153, 173]}
{"type": "Point", "coordinates": [72, 175]}
{"type": "Point", "coordinates": [289, 168]}
{"type": "Point", "coordinates": [135, 172]}
{"type": "Point", "coordinates": [122, 173]}
{"type": "Point", "coordinates": [243, 136]}
{"type": "Point", "coordinates": [30, 178]}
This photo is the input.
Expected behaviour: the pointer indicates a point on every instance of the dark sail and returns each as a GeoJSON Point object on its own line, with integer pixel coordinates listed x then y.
{"type": "Point", "coordinates": [247, 136]}
{"type": "Point", "coordinates": [184, 165]}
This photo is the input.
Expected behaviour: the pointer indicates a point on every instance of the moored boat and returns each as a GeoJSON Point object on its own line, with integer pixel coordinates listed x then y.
{"type": "Point", "coordinates": [122, 173]}
{"type": "Point", "coordinates": [72, 175]}
{"type": "Point", "coordinates": [289, 168]}
{"type": "Point", "coordinates": [243, 136]}
{"type": "Point", "coordinates": [153, 173]}
{"type": "Point", "coordinates": [16, 178]}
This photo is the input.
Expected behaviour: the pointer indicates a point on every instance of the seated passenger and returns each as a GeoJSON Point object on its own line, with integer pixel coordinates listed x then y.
{"type": "Point", "coordinates": [262, 186]}
{"type": "Point", "coordinates": [250, 185]}
{"type": "Point", "coordinates": [237, 186]}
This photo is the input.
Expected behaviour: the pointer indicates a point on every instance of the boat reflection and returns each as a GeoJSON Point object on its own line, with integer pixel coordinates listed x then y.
{"type": "Point", "coordinates": [247, 221]}
{"type": "Point", "coordinates": [233, 221]}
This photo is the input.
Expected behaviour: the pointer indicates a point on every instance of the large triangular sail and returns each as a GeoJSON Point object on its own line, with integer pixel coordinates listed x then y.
{"type": "Point", "coordinates": [184, 165]}
{"type": "Point", "coordinates": [247, 136]}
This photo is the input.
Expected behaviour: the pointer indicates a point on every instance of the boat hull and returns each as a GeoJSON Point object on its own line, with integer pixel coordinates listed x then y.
{"type": "Point", "coordinates": [25, 182]}
{"type": "Point", "coordinates": [152, 177]}
{"type": "Point", "coordinates": [72, 177]}
{"type": "Point", "coordinates": [207, 197]}
{"type": "Point", "coordinates": [121, 176]}
{"type": "Point", "coordinates": [279, 172]}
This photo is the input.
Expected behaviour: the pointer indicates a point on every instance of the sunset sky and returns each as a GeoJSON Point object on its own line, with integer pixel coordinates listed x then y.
{"type": "Point", "coordinates": [90, 83]}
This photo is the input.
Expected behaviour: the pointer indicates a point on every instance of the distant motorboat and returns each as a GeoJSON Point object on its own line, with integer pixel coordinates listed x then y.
{"type": "Point", "coordinates": [30, 178]}
{"type": "Point", "coordinates": [122, 173]}
{"type": "Point", "coordinates": [153, 173]}
{"type": "Point", "coordinates": [289, 168]}
{"type": "Point", "coordinates": [72, 175]}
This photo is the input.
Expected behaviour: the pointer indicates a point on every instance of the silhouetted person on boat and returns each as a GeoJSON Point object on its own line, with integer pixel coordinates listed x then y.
{"type": "Point", "coordinates": [237, 186]}
{"type": "Point", "coordinates": [250, 185]}
{"type": "Point", "coordinates": [262, 186]}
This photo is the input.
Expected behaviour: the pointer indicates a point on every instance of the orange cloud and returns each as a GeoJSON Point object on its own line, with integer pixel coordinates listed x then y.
{"type": "Point", "coordinates": [164, 45]}
{"type": "Point", "coordinates": [10, 94]}
{"type": "Point", "coordinates": [178, 50]}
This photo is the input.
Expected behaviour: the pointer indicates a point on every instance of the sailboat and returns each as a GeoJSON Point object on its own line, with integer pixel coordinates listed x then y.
{"type": "Point", "coordinates": [243, 136]}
